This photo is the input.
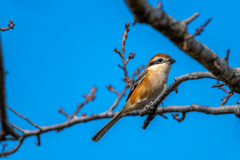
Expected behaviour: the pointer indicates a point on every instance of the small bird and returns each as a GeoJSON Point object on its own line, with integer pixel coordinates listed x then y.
{"type": "Point", "coordinates": [149, 84]}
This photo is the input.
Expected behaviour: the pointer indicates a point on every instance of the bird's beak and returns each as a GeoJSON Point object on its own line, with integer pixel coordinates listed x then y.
{"type": "Point", "coordinates": [171, 61]}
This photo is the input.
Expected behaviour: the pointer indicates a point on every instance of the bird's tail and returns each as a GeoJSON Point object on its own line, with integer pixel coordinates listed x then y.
{"type": "Point", "coordinates": [107, 126]}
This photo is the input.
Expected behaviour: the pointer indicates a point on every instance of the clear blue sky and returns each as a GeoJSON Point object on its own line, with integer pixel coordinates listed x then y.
{"type": "Point", "coordinates": [59, 49]}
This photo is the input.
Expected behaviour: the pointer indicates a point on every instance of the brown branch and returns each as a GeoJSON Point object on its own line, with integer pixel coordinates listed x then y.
{"type": "Point", "coordinates": [231, 109]}
{"type": "Point", "coordinates": [90, 97]}
{"type": "Point", "coordinates": [60, 110]}
{"type": "Point", "coordinates": [176, 116]}
{"type": "Point", "coordinates": [112, 89]}
{"type": "Point", "coordinates": [122, 55]}
{"type": "Point", "coordinates": [126, 79]}
{"type": "Point", "coordinates": [198, 32]}
{"type": "Point", "coordinates": [151, 109]}
{"type": "Point", "coordinates": [225, 99]}
{"type": "Point", "coordinates": [4, 146]}
{"type": "Point", "coordinates": [159, 4]}
{"type": "Point", "coordinates": [218, 85]}
{"type": "Point", "coordinates": [227, 55]}
{"type": "Point", "coordinates": [229, 93]}
{"type": "Point", "coordinates": [5, 154]}
{"type": "Point", "coordinates": [136, 72]}
{"type": "Point", "coordinates": [176, 31]}
{"type": "Point", "coordinates": [117, 100]}
{"type": "Point", "coordinates": [190, 19]}
{"type": "Point", "coordinates": [10, 26]}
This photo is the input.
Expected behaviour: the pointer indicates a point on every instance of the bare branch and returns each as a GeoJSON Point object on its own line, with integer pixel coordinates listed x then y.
{"type": "Point", "coordinates": [126, 79]}
{"type": "Point", "coordinates": [117, 100]}
{"type": "Point", "coordinates": [230, 109]}
{"type": "Point", "coordinates": [159, 4]}
{"type": "Point", "coordinates": [112, 89]}
{"type": "Point", "coordinates": [10, 26]}
{"type": "Point", "coordinates": [229, 93]}
{"type": "Point", "coordinates": [60, 110]}
{"type": "Point", "coordinates": [177, 81]}
{"type": "Point", "coordinates": [4, 146]}
{"type": "Point", "coordinates": [225, 99]}
{"type": "Point", "coordinates": [90, 97]}
{"type": "Point", "coordinates": [218, 85]}
{"type": "Point", "coordinates": [176, 32]}
{"type": "Point", "coordinates": [190, 19]}
{"type": "Point", "coordinates": [5, 154]}
{"type": "Point", "coordinates": [18, 128]}
{"type": "Point", "coordinates": [23, 117]}
{"type": "Point", "coordinates": [136, 72]}
{"type": "Point", "coordinates": [198, 32]}
{"type": "Point", "coordinates": [227, 55]}
{"type": "Point", "coordinates": [176, 116]}
{"type": "Point", "coordinates": [122, 55]}
{"type": "Point", "coordinates": [38, 140]}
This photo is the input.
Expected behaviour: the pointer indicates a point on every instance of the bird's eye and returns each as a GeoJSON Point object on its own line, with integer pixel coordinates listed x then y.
{"type": "Point", "coordinates": [160, 60]}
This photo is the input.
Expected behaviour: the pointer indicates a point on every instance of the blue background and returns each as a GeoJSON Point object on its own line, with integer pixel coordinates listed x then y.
{"type": "Point", "coordinates": [59, 49]}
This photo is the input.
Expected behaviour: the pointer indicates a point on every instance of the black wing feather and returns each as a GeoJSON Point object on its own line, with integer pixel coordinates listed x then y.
{"type": "Point", "coordinates": [138, 81]}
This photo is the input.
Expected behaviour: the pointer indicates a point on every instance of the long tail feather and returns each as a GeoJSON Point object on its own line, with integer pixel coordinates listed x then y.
{"type": "Point", "coordinates": [107, 126]}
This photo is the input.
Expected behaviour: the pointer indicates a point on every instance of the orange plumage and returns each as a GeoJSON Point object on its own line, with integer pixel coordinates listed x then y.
{"type": "Point", "coordinates": [149, 84]}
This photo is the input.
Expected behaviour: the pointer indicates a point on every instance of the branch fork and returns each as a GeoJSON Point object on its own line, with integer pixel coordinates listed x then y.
{"type": "Point", "coordinates": [10, 26]}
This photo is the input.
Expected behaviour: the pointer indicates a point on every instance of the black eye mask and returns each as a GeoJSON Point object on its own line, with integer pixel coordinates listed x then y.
{"type": "Point", "coordinates": [158, 61]}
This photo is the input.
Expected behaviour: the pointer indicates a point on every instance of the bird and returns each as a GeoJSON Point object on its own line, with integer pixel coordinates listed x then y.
{"type": "Point", "coordinates": [148, 85]}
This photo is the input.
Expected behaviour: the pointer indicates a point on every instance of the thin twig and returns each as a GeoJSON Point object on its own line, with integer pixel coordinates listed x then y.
{"type": "Point", "coordinates": [60, 110]}
{"type": "Point", "coordinates": [159, 5]}
{"type": "Point", "coordinates": [38, 140]}
{"type": "Point", "coordinates": [122, 55]}
{"type": "Point", "coordinates": [117, 100]}
{"type": "Point", "coordinates": [23, 117]}
{"type": "Point", "coordinates": [90, 97]}
{"type": "Point", "coordinates": [18, 128]}
{"type": "Point", "coordinates": [10, 26]}
{"type": "Point", "coordinates": [112, 89]}
{"type": "Point", "coordinates": [190, 19]}
{"type": "Point", "coordinates": [225, 99]}
{"type": "Point", "coordinates": [227, 55]}
{"type": "Point", "coordinates": [5, 154]}
{"type": "Point", "coordinates": [3, 147]}
{"type": "Point", "coordinates": [218, 85]}
{"type": "Point", "coordinates": [198, 32]}
{"type": "Point", "coordinates": [176, 116]}
{"type": "Point", "coordinates": [136, 72]}
{"type": "Point", "coordinates": [229, 93]}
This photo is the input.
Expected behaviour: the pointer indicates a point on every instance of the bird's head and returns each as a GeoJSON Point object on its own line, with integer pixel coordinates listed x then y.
{"type": "Point", "coordinates": [160, 62]}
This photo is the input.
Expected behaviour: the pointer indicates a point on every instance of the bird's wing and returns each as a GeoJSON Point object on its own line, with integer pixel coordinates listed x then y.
{"type": "Point", "coordinates": [138, 81]}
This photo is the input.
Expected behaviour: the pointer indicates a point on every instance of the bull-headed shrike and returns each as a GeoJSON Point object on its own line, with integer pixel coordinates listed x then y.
{"type": "Point", "coordinates": [149, 84]}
